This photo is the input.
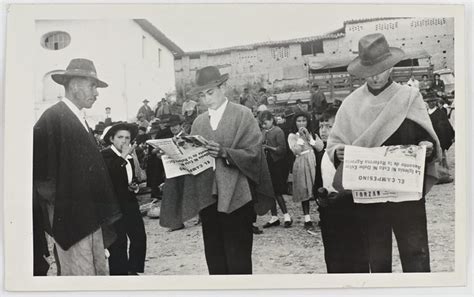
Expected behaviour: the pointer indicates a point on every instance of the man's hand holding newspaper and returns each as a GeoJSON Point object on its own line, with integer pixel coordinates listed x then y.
{"type": "Point", "coordinates": [184, 155]}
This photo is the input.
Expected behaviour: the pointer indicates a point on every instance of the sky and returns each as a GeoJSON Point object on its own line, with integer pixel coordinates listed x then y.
{"type": "Point", "coordinates": [210, 26]}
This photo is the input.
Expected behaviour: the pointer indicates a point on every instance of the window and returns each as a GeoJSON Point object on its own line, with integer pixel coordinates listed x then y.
{"type": "Point", "coordinates": [56, 40]}
{"type": "Point", "coordinates": [312, 47]}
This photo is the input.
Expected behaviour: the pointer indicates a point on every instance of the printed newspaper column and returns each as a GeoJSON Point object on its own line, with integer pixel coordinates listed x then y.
{"type": "Point", "coordinates": [382, 174]}
{"type": "Point", "coordinates": [183, 155]}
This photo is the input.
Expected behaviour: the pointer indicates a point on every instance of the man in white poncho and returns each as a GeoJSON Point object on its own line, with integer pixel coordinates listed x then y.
{"type": "Point", "coordinates": [381, 113]}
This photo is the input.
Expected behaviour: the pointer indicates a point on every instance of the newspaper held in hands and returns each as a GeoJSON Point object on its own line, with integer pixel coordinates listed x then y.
{"type": "Point", "coordinates": [384, 174]}
{"type": "Point", "coordinates": [184, 155]}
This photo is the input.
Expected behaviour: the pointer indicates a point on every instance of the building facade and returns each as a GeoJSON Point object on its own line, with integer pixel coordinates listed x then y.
{"type": "Point", "coordinates": [132, 56]}
{"type": "Point", "coordinates": [277, 64]}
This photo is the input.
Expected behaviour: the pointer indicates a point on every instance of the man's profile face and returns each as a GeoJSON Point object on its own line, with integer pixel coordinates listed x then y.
{"type": "Point", "coordinates": [212, 98]}
{"type": "Point", "coordinates": [379, 80]}
{"type": "Point", "coordinates": [84, 92]}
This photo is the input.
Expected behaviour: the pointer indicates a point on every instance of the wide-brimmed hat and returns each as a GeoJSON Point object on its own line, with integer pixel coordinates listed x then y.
{"type": "Point", "coordinates": [207, 78]}
{"type": "Point", "coordinates": [375, 56]}
{"type": "Point", "coordinates": [99, 128]}
{"type": "Point", "coordinates": [111, 130]}
{"type": "Point", "coordinates": [145, 101]}
{"type": "Point", "coordinates": [81, 68]}
{"type": "Point", "coordinates": [175, 120]}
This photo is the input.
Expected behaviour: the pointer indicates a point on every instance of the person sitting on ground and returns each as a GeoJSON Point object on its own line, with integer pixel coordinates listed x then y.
{"type": "Point", "coordinates": [424, 84]}
{"type": "Point", "coordinates": [141, 121]}
{"type": "Point", "coordinates": [274, 145]}
{"type": "Point", "coordinates": [413, 82]}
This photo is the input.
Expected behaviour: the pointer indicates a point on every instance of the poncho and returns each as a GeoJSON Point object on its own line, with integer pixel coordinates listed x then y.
{"type": "Point", "coordinates": [246, 180]}
{"type": "Point", "coordinates": [368, 121]}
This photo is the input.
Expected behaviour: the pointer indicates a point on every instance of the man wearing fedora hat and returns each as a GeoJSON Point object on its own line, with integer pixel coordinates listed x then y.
{"type": "Point", "coordinates": [382, 113]}
{"type": "Point", "coordinates": [70, 177]}
{"type": "Point", "coordinates": [146, 111]}
{"type": "Point", "coordinates": [228, 196]}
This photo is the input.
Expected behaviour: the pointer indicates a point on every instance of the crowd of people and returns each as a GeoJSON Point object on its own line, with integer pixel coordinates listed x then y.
{"type": "Point", "coordinates": [86, 181]}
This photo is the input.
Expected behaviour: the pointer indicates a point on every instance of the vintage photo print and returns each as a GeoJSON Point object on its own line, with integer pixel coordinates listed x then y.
{"type": "Point", "coordinates": [281, 145]}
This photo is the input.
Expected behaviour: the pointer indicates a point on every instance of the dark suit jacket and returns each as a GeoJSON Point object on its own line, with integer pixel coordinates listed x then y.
{"type": "Point", "coordinates": [118, 174]}
{"type": "Point", "coordinates": [70, 174]}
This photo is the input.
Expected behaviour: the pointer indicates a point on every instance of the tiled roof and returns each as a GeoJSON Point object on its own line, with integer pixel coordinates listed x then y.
{"type": "Point", "coordinates": [266, 43]}
{"type": "Point", "coordinates": [330, 35]}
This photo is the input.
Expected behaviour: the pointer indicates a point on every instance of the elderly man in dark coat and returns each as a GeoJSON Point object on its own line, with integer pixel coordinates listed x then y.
{"type": "Point", "coordinates": [227, 197]}
{"type": "Point", "coordinates": [72, 187]}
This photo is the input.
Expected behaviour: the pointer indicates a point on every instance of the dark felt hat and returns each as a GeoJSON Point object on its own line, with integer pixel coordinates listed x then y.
{"type": "Point", "coordinates": [145, 101]}
{"type": "Point", "coordinates": [375, 56]}
{"type": "Point", "coordinates": [132, 128]}
{"type": "Point", "coordinates": [207, 78]}
{"type": "Point", "coordinates": [99, 128]}
{"type": "Point", "coordinates": [79, 68]}
{"type": "Point", "coordinates": [175, 120]}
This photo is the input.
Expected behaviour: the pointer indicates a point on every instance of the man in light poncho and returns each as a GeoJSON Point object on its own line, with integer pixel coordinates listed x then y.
{"type": "Point", "coordinates": [381, 113]}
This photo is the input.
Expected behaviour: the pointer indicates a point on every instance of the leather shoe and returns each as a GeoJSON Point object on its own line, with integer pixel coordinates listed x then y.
{"type": "Point", "coordinates": [255, 230]}
{"type": "Point", "coordinates": [308, 225]}
{"type": "Point", "coordinates": [274, 224]}
{"type": "Point", "coordinates": [287, 224]}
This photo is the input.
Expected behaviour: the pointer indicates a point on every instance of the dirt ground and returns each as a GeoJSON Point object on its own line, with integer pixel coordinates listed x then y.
{"type": "Point", "coordinates": [293, 250]}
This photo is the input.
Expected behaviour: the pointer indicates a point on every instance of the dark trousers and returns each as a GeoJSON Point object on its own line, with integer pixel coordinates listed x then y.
{"type": "Point", "coordinates": [344, 246]}
{"type": "Point", "coordinates": [408, 222]}
{"type": "Point", "coordinates": [131, 226]}
{"type": "Point", "coordinates": [228, 239]}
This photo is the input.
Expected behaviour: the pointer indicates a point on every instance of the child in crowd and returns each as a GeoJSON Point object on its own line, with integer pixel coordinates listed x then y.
{"type": "Point", "coordinates": [302, 143]}
{"type": "Point", "coordinates": [121, 168]}
{"type": "Point", "coordinates": [340, 228]}
{"type": "Point", "coordinates": [275, 150]}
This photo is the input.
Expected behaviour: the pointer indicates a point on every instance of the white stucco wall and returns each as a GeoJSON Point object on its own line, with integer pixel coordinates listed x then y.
{"type": "Point", "coordinates": [115, 46]}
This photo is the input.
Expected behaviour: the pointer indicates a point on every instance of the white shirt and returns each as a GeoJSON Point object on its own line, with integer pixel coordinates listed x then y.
{"type": "Point", "coordinates": [215, 115]}
{"type": "Point", "coordinates": [431, 110]}
{"type": "Point", "coordinates": [413, 83]}
{"type": "Point", "coordinates": [128, 167]}
{"type": "Point", "coordinates": [79, 114]}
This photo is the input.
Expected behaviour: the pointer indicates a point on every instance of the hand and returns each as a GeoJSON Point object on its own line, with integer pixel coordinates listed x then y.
{"type": "Point", "coordinates": [216, 150]}
{"type": "Point", "coordinates": [157, 152]}
{"type": "Point", "coordinates": [128, 149]}
{"type": "Point", "coordinates": [429, 147]}
{"type": "Point", "coordinates": [340, 152]}
{"type": "Point", "coordinates": [133, 187]}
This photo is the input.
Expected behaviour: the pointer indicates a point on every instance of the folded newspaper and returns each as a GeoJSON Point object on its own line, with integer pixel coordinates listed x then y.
{"type": "Point", "coordinates": [384, 174]}
{"type": "Point", "coordinates": [184, 155]}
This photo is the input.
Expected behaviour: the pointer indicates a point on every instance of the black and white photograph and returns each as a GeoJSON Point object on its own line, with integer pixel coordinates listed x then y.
{"type": "Point", "coordinates": [325, 142]}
